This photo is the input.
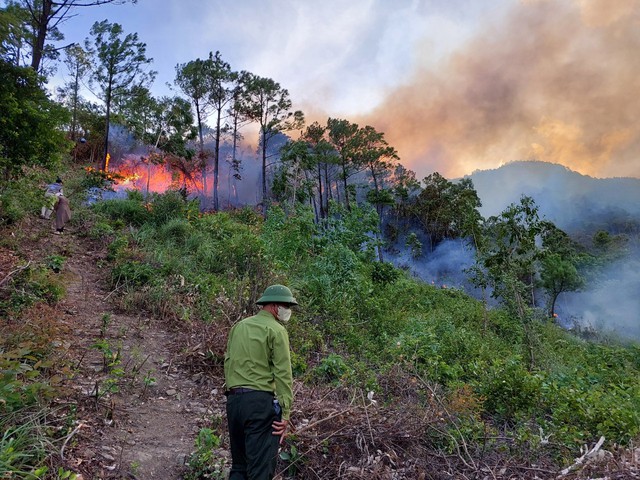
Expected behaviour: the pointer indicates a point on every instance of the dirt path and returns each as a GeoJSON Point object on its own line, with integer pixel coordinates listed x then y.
{"type": "Point", "coordinates": [139, 409]}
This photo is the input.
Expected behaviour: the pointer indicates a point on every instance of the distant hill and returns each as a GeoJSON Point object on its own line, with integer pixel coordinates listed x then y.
{"type": "Point", "coordinates": [574, 202]}
{"type": "Point", "coordinates": [580, 205]}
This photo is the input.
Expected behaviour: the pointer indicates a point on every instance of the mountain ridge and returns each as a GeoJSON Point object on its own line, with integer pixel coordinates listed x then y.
{"type": "Point", "coordinates": [570, 199]}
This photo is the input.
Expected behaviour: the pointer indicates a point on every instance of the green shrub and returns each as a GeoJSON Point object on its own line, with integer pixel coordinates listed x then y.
{"type": "Point", "coordinates": [289, 238]}
{"type": "Point", "coordinates": [511, 392]}
{"type": "Point", "coordinates": [101, 231]}
{"type": "Point", "coordinates": [31, 286]}
{"type": "Point", "coordinates": [247, 216]}
{"type": "Point", "coordinates": [55, 262]}
{"type": "Point", "coordinates": [175, 231]}
{"type": "Point", "coordinates": [22, 197]}
{"type": "Point", "coordinates": [171, 205]}
{"type": "Point", "coordinates": [118, 247]}
{"type": "Point", "coordinates": [384, 273]}
{"type": "Point", "coordinates": [129, 212]}
{"type": "Point", "coordinates": [332, 369]}
{"type": "Point", "coordinates": [133, 273]}
{"type": "Point", "coordinates": [23, 447]}
{"type": "Point", "coordinates": [203, 462]}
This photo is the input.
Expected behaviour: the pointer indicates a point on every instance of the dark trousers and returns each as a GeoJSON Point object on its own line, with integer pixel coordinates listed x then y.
{"type": "Point", "coordinates": [254, 448]}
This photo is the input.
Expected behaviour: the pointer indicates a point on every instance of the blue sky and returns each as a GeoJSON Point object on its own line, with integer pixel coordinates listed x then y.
{"type": "Point", "coordinates": [456, 85]}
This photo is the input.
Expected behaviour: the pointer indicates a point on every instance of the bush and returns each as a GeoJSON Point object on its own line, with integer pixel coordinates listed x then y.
{"type": "Point", "coordinates": [332, 369]}
{"type": "Point", "coordinates": [511, 392]}
{"type": "Point", "coordinates": [31, 286]}
{"type": "Point", "coordinates": [133, 273]}
{"type": "Point", "coordinates": [384, 273]}
{"type": "Point", "coordinates": [22, 197]}
{"type": "Point", "coordinates": [172, 205]}
{"type": "Point", "coordinates": [129, 212]}
{"type": "Point", "coordinates": [203, 462]}
{"type": "Point", "coordinates": [289, 239]}
{"type": "Point", "coordinates": [175, 231]}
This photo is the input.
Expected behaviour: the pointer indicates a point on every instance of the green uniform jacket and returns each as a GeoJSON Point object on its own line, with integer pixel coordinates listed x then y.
{"type": "Point", "coordinates": [258, 357]}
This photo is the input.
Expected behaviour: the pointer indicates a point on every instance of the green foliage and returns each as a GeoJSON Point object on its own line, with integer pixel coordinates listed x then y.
{"type": "Point", "coordinates": [414, 243]}
{"type": "Point", "coordinates": [130, 211]}
{"type": "Point", "coordinates": [289, 238]}
{"type": "Point", "coordinates": [171, 205]}
{"type": "Point", "coordinates": [247, 216]}
{"type": "Point", "coordinates": [117, 249]}
{"type": "Point", "coordinates": [22, 448]}
{"type": "Point", "coordinates": [30, 133]}
{"type": "Point", "coordinates": [20, 369]}
{"type": "Point", "coordinates": [30, 286]}
{"type": "Point", "coordinates": [293, 458]}
{"type": "Point", "coordinates": [176, 231]}
{"type": "Point", "coordinates": [332, 369]}
{"type": "Point", "coordinates": [133, 274]}
{"type": "Point", "coordinates": [193, 267]}
{"type": "Point", "coordinates": [446, 209]}
{"type": "Point", "coordinates": [383, 273]}
{"type": "Point", "coordinates": [511, 392]}
{"type": "Point", "coordinates": [203, 462]}
{"type": "Point", "coordinates": [352, 228]}
{"type": "Point", "coordinates": [22, 196]}
{"type": "Point", "coordinates": [101, 230]}
{"type": "Point", "coordinates": [55, 262]}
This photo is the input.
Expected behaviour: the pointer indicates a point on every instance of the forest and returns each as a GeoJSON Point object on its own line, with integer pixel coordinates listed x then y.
{"type": "Point", "coordinates": [396, 377]}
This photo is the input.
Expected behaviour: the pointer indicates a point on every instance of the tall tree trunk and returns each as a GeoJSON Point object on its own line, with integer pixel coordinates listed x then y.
{"type": "Point", "coordinates": [327, 186]}
{"type": "Point", "coordinates": [264, 171]}
{"type": "Point", "coordinates": [74, 117]}
{"type": "Point", "coordinates": [201, 155]}
{"type": "Point", "coordinates": [321, 201]}
{"type": "Point", "coordinates": [41, 35]}
{"type": "Point", "coordinates": [106, 128]}
{"type": "Point", "coordinates": [346, 188]}
{"type": "Point", "coordinates": [233, 156]}
{"type": "Point", "coordinates": [216, 162]}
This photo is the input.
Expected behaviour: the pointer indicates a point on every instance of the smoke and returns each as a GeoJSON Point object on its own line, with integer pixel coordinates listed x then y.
{"type": "Point", "coordinates": [130, 160]}
{"type": "Point", "coordinates": [553, 80]}
{"type": "Point", "coordinates": [611, 305]}
{"type": "Point", "coordinates": [443, 267]}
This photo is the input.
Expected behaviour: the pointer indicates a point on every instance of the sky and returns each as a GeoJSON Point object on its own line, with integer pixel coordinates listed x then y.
{"type": "Point", "coordinates": [455, 85]}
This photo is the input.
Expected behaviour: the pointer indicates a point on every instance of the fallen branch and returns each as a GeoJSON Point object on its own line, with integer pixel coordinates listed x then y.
{"type": "Point", "coordinates": [66, 440]}
{"type": "Point", "coordinates": [5, 279]}
{"type": "Point", "coordinates": [579, 461]}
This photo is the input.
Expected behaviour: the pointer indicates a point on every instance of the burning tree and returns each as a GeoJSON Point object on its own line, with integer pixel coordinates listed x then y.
{"type": "Point", "coordinates": [118, 65]}
{"type": "Point", "coordinates": [268, 104]}
{"type": "Point", "coordinates": [192, 78]}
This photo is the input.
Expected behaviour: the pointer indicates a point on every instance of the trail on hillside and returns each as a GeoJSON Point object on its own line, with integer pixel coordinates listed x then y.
{"type": "Point", "coordinates": [138, 390]}
{"type": "Point", "coordinates": [138, 409]}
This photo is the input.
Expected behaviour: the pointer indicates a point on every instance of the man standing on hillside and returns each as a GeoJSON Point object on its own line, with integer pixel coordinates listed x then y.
{"type": "Point", "coordinates": [259, 386]}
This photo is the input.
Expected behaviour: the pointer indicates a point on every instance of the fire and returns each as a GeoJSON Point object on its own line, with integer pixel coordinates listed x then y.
{"type": "Point", "coordinates": [139, 173]}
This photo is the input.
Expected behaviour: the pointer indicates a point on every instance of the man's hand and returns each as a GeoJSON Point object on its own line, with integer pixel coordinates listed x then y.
{"type": "Point", "coordinates": [280, 429]}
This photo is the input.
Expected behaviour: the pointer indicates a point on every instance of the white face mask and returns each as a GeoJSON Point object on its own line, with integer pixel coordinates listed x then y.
{"type": "Point", "coordinates": [284, 314]}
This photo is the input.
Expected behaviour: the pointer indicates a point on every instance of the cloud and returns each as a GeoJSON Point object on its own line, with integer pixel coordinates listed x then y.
{"type": "Point", "coordinates": [554, 80]}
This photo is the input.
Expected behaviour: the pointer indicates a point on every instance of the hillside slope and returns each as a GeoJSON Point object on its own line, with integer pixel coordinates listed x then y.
{"type": "Point", "coordinates": [142, 381]}
{"type": "Point", "coordinates": [137, 406]}
{"type": "Point", "coordinates": [571, 200]}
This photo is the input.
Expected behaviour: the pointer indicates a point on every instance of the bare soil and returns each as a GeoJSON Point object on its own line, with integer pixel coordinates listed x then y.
{"type": "Point", "coordinates": [139, 407]}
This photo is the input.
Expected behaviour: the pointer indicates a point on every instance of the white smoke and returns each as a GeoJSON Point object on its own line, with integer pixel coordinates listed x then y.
{"type": "Point", "coordinates": [610, 305]}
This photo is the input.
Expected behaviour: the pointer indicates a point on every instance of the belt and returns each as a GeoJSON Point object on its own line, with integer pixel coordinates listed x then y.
{"type": "Point", "coordinates": [238, 391]}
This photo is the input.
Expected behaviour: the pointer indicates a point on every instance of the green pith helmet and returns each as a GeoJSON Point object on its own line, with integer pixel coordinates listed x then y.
{"type": "Point", "coordinates": [277, 294]}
